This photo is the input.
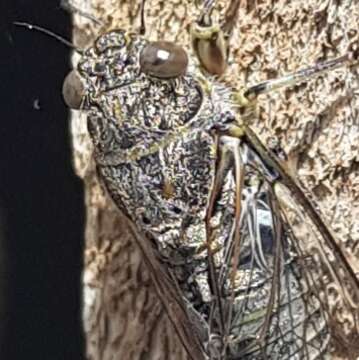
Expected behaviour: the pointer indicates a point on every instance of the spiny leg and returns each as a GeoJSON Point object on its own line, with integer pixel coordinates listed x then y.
{"type": "Point", "coordinates": [213, 278]}
{"type": "Point", "coordinates": [229, 155]}
{"type": "Point", "coordinates": [246, 98]}
{"type": "Point", "coordinates": [210, 39]}
{"type": "Point", "coordinates": [239, 180]}
{"type": "Point", "coordinates": [300, 76]}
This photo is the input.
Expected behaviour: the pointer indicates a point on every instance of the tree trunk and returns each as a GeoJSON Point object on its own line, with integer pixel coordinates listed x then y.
{"type": "Point", "coordinates": [317, 124]}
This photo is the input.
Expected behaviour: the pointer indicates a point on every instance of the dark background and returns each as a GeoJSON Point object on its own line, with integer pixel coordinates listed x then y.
{"type": "Point", "coordinates": [41, 200]}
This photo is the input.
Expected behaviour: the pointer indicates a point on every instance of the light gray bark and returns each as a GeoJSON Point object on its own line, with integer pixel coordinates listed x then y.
{"type": "Point", "coordinates": [317, 124]}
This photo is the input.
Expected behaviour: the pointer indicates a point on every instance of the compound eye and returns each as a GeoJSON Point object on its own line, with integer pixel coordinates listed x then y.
{"type": "Point", "coordinates": [73, 90]}
{"type": "Point", "coordinates": [163, 59]}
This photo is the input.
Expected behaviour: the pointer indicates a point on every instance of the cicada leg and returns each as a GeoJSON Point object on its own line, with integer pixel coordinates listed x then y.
{"type": "Point", "coordinates": [210, 38]}
{"type": "Point", "coordinates": [239, 179]}
{"type": "Point", "coordinates": [302, 75]}
{"type": "Point", "coordinates": [210, 248]}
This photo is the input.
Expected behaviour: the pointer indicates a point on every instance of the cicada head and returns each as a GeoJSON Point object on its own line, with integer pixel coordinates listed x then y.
{"type": "Point", "coordinates": [136, 92]}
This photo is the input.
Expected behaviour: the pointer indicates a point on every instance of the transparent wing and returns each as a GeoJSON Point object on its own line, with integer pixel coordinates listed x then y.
{"type": "Point", "coordinates": [280, 288]}
{"type": "Point", "coordinates": [168, 290]}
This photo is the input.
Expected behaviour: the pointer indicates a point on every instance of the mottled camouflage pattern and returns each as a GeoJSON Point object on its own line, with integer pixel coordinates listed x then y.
{"type": "Point", "coordinates": [158, 146]}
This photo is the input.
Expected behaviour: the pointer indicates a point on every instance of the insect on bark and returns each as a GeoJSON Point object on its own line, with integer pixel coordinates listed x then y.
{"type": "Point", "coordinates": [241, 258]}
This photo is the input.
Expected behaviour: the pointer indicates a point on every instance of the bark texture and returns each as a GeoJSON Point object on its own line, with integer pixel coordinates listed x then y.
{"type": "Point", "coordinates": [317, 124]}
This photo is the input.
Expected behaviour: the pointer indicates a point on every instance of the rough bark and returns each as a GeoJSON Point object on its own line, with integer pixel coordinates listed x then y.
{"type": "Point", "coordinates": [317, 124]}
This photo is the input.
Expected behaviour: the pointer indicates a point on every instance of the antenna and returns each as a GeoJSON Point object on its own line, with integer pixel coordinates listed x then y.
{"type": "Point", "coordinates": [49, 33]}
{"type": "Point", "coordinates": [71, 8]}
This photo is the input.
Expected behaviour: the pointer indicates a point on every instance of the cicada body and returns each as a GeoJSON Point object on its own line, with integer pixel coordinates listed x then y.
{"type": "Point", "coordinates": [225, 231]}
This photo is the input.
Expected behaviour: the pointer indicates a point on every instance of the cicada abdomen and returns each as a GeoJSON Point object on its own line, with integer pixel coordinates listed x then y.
{"type": "Point", "coordinates": [240, 257]}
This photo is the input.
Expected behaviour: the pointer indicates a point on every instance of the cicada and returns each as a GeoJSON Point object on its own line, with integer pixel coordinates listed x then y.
{"type": "Point", "coordinates": [241, 258]}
